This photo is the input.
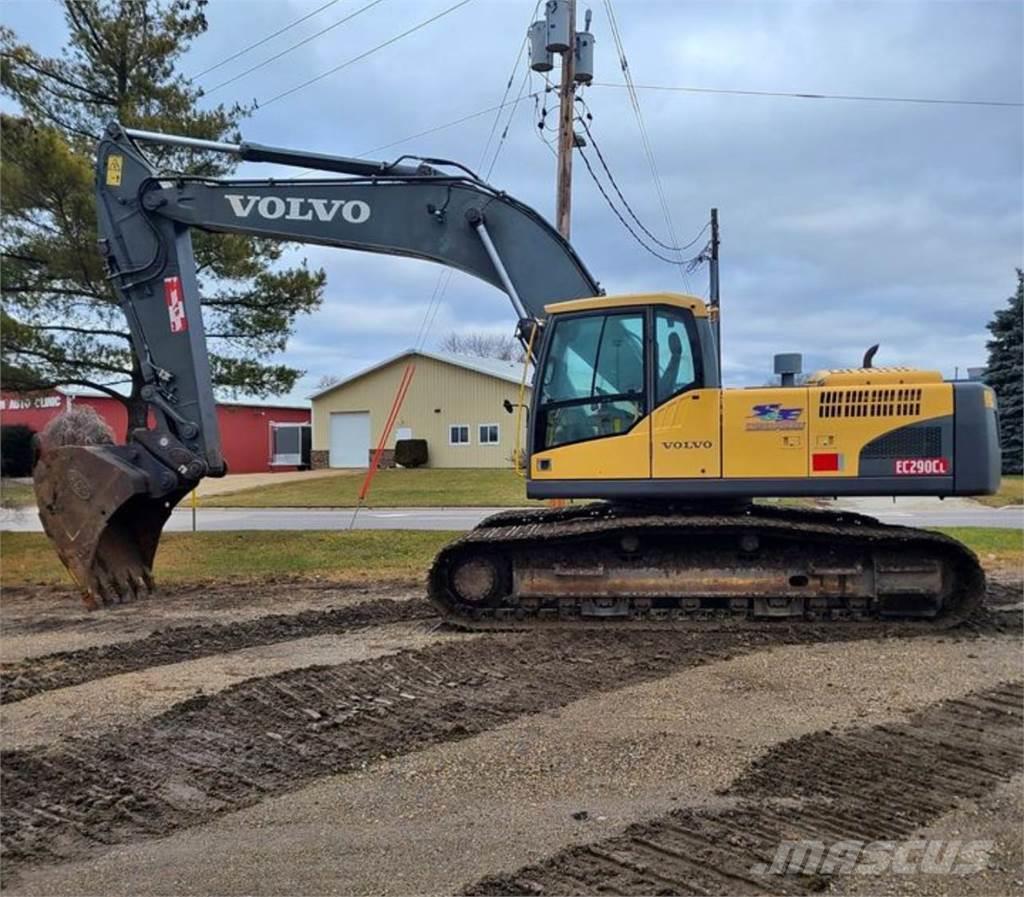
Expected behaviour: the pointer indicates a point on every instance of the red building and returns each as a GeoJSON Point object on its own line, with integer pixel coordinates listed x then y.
{"type": "Point", "coordinates": [255, 437]}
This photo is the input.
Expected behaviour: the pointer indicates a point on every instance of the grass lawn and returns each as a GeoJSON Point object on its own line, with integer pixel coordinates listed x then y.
{"type": "Point", "coordinates": [1006, 545]}
{"type": "Point", "coordinates": [16, 495]}
{"type": "Point", "coordinates": [1011, 492]}
{"type": "Point", "coordinates": [417, 488]}
{"type": "Point", "coordinates": [356, 556]}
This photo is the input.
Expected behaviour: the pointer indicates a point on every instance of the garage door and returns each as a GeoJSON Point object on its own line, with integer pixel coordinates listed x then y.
{"type": "Point", "coordinates": [350, 439]}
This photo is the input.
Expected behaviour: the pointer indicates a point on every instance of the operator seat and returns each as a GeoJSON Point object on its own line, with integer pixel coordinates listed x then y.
{"type": "Point", "coordinates": [667, 381]}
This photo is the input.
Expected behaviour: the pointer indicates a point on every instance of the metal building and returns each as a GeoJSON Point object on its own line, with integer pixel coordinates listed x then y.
{"type": "Point", "coordinates": [455, 403]}
{"type": "Point", "coordinates": [258, 435]}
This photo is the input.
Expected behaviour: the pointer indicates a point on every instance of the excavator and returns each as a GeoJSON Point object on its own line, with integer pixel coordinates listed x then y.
{"type": "Point", "coordinates": [627, 410]}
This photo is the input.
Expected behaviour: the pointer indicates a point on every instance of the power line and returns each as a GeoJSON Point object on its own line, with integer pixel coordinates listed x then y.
{"type": "Point", "coordinates": [504, 98]}
{"type": "Point", "coordinates": [508, 124]}
{"type": "Point", "coordinates": [625, 203]}
{"type": "Point", "coordinates": [448, 124]}
{"type": "Point", "coordinates": [644, 138]}
{"type": "Point", "coordinates": [262, 41]}
{"type": "Point", "coordinates": [690, 263]}
{"type": "Point", "coordinates": [354, 59]}
{"type": "Point", "coordinates": [444, 278]}
{"type": "Point", "coordinates": [934, 101]}
{"type": "Point", "coordinates": [294, 46]}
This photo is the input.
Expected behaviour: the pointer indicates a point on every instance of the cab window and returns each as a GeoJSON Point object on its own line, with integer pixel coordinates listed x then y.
{"type": "Point", "coordinates": [593, 382]}
{"type": "Point", "coordinates": [677, 367]}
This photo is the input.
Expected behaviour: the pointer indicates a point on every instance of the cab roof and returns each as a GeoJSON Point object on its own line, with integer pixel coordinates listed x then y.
{"type": "Point", "coordinates": [680, 300]}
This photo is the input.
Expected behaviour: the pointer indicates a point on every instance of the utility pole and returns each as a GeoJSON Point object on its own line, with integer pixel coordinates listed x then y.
{"type": "Point", "coordinates": [566, 114]}
{"type": "Point", "coordinates": [556, 34]}
{"type": "Point", "coordinates": [713, 294]}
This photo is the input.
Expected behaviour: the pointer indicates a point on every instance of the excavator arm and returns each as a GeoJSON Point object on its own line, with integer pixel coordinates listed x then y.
{"type": "Point", "coordinates": [105, 506]}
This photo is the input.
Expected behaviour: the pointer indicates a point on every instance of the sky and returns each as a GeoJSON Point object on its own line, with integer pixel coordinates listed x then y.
{"type": "Point", "coordinates": [844, 223]}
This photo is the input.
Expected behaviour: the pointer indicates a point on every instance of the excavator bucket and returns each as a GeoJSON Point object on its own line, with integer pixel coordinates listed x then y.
{"type": "Point", "coordinates": [98, 510]}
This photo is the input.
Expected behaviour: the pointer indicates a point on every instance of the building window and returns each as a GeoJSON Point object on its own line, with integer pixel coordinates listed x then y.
{"type": "Point", "coordinates": [489, 434]}
{"type": "Point", "coordinates": [286, 444]}
{"type": "Point", "coordinates": [458, 434]}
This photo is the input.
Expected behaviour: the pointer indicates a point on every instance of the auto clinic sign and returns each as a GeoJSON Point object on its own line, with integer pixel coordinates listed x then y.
{"type": "Point", "coordinates": [25, 403]}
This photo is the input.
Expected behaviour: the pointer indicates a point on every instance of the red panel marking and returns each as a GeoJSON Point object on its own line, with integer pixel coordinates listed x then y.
{"type": "Point", "coordinates": [175, 300]}
{"type": "Point", "coordinates": [826, 461]}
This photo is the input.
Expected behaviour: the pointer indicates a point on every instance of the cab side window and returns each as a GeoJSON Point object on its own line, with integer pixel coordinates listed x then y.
{"type": "Point", "coordinates": [593, 383]}
{"type": "Point", "coordinates": [676, 350]}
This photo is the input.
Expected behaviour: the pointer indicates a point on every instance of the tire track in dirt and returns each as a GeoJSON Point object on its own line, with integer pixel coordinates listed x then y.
{"type": "Point", "coordinates": [29, 677]}
{"type": "Point", "coordinates": [104, 705]}
{"type": "Point", "coordinates": [211, 754]}
{"type": "Point", "coordinates": [878, 783]}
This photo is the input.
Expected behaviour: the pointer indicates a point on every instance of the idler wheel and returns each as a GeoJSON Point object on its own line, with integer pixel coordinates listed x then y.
{"type": "Point", "coordinates": [480, 580]}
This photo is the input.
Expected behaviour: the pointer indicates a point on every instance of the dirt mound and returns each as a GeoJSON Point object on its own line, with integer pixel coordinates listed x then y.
{"type": "Point", "coordinates": [864, 785]}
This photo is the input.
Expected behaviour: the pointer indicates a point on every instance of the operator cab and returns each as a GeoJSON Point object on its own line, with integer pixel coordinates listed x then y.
{"type": "Point", "coordinates": [607, 362]}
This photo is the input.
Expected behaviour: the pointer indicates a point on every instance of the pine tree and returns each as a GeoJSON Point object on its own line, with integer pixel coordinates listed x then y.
{"type": "Point", "coordinates": [1005, 374]}
{"type": "Point", "coordinates": [60, 323]}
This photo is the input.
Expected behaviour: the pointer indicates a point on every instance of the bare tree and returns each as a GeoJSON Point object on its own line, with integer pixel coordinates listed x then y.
{"type": "Point", "coordinates": [326, 381]}
{"type": "Point", "coordinates": [483, 345]}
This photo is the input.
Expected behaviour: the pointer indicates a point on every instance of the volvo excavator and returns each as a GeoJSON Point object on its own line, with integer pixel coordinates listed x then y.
{"type": "Point", "coordinates": [627, 410]}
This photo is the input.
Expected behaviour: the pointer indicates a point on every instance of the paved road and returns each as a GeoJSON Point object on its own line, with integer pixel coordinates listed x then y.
{"type": "Point", "coordinates": [210, 519]}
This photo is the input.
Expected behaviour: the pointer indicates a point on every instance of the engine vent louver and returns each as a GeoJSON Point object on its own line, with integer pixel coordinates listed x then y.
{"type": "Point", "coordinates": [906, 442]}
{"type": "Point", "coordinates": [881, 402]}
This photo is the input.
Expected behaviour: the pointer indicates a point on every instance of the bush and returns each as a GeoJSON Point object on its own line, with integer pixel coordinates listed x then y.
{"type": "Point", "coordinates": [16, 450]}
{"type": "Point", "coordinates": [411, 452]}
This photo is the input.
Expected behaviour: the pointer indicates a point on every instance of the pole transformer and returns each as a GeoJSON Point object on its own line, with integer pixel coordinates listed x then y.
{"type": "Point", "coordinates": [553, 35]}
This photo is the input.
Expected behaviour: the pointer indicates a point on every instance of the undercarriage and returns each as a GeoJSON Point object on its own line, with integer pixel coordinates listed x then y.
{"type": "Point", "coordinates": [606, 564]}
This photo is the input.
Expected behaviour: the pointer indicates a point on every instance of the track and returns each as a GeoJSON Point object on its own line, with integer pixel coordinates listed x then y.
{"type": "Point", "coordinates": [633, 565]}
{"type": "Point", "coordinates": [38, 674]}
{"type": "Point", "coordinates": [217, 753]}
{"type": "Point", "coordinates": [865, 785]}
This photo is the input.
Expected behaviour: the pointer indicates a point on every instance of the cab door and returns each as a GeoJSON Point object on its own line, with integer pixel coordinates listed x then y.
{"type": "Point", "coordinates": [591, 421]}
{"type": "Point", "coordinates": [686, 422]}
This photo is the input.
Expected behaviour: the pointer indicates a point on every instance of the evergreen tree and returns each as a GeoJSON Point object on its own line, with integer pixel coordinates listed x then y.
{"type": "Point", "coordinates": [1005, 374]}
{"type": "Point", "coordinates": [60, 323]}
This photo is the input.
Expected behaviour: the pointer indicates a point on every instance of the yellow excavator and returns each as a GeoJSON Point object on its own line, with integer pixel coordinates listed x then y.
{"type": "Point", "coordinates": [627, 409]}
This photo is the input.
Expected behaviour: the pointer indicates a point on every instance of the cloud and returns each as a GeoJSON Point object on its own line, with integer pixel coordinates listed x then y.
{"type": "Point", "coordinates": [843, 223]}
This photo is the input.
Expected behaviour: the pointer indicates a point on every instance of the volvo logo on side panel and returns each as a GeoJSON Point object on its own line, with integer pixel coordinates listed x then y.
{"type": "Point", "coordinates": [298, 208]}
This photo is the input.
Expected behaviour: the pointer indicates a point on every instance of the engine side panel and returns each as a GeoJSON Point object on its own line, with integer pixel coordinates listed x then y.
{"type": "Point", "coordinates": [764, 432]}
{"type": "Point", "coordinates": [873, 430]}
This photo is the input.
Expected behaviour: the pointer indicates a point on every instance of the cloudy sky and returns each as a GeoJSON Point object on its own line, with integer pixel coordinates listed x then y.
{"type": "Point", "coordinates": [844, 223]}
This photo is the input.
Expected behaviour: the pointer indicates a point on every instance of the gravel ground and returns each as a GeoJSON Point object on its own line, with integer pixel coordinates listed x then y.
{"type": "Point", "coordinates": [434, 820]}
{"type": "Point", "coordinates": [101, 704]}
{"type": "Point", "coordinates": [998, 818]}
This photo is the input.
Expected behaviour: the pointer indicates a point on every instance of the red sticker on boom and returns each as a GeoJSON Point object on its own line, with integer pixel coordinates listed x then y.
{"type": "Point", "coordinates": [922, 467]}
{"type": "Point", "coordinates": [175, 300]}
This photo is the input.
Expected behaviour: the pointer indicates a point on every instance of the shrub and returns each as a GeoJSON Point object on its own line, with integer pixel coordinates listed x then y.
{"type": "Point", "coordinates": [16, 450]}
{"type": "Point", "coordinates": [411, 452]}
